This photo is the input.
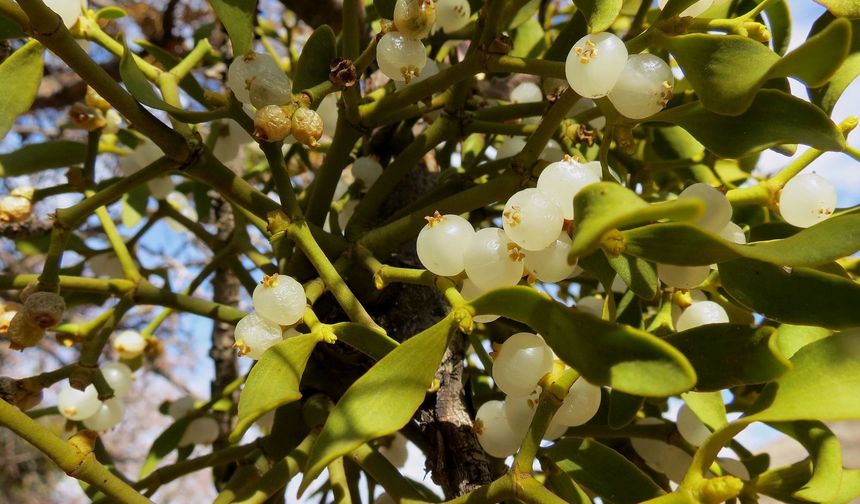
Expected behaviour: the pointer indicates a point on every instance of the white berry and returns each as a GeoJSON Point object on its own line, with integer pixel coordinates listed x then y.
{"type": "Point", "coordinates": [399, 57]}
{"type": "Point", "coordinates": [520, 410]}
{"type": "Point", "coordinates": [493, 430]}
{"type": "Point", "coordinates": [395, 451]}
{"type": "Point", "coordinates": [69, 10]}
{"type": "Point", "coordinates": [563, 180]}
{"type": "Point", "coordinates": [550, 264]}
{"type": "Point", "coordinates": [328, 111]}
{"type": "Point", "coordinates": [442, 243]}
{"type": "Point", "coordinates": [510, 147]}
{"type": "Point", "coordinates": [643, 88]}
{"type": "Point", "coordinates": [532, 219]}
{"type": "Point", "coordinates": [682, 277]}
{"type": "Point", "coordinates": [119, 377]}
{"type": "Point", "coordinates": [522, 361]}
{"type": "Point", "coordinates": [492, 260]}
{"type": "Point", "coordinates": [451, 15]}
{"type": "Point", "coordinates": [580, 404]}
{"type": "Point", "coordinates": [594, 64]}
{"type": "Point", "coordinates": [718, 210]}
{"type": "Point", "coordinates": [693, 430]}
{"type": "Point", "coordinates": [202, 430]}
{"type": "Point", "coordinates": [526, 92]}
{"type": "Point", "coordinates": [733, 233]}
{"type": "Point", "coordinates": [807, 199]}
{"type": "Point", "coordinates": [415, 18]}
{"type": "Point", "coordinates": [470, 291]}
{"type": "Point", "coordinates": [107, 416]}
{"type": "Point", "coordinates": [75, 404]}
{"type": "Point", "coordinates": [181, 407]}
{"type": "Point", "coordinates": [260, 73]}
{"type": "Point", "coordinates": [280, 299]}
{"type": "Point", "coordinates": [129, 344]}
{"type": "Point", "coordinates": [367, 170]}
{"type": "Point", "coordinates": [701, 313]}
{"type": "Point", "coordinates": [255, 334]}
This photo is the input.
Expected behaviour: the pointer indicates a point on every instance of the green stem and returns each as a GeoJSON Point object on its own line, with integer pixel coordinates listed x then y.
{"type": "Point", "coordinates": [278, 168]}
{"type": "Point", "coordinates": [49, 278]}
{"type": "Point", "coordinates": [15, 13]}
{"type": "Point", "coordinates": [512, 64]}
{"type": "Point", "coordinates": [499, 490]}
{"type": "Point", "coordinates": [545, 130]}
{"type": "Point", "coordinates": [336, 473]}
{"type": "Point", "coordinates": [532, 492]}
{"type": "Point", "coordinates": [166, 474]}
{"type": "Point", "coordinates": [79, 463]}
{"type": "Point", "coordinates": [192, 59]}
{"type": "Point", "coordinates": [129, 269]}
{"type": "Point", "coordinates": [381, 470]}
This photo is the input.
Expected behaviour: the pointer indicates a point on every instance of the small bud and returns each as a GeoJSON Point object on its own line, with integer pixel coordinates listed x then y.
{"type": "Point", "coordinates": [271, 124]}
{"type": "Point", "coordinates": [95, 100]}
{"type": "Point", "coordinates": [23, 332]}
{"type": "Point", "coordinates": [86, 117]}
{"type": "Point", "coordinates": [44, 309]}
{"type": "Point", "coordinates": [343, 72]}
{"type": "Point", "coordinates": [307, 126]}
{"type": "Point", "coordinates": [17, 206]}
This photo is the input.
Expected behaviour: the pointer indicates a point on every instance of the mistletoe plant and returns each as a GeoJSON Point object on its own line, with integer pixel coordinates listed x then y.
{"type": "Point", "coordinates": [591, 237]}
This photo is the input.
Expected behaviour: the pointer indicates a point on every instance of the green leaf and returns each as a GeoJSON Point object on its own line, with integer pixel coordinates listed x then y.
{"type": "Point", "coordinates": [273, 381]}
{"type": "Point", "coordinates": [111, 12]}
{"type": "Point", "coordinates": [165, 443]}
{"type": "Point", "coordinates": [42, 156]}
{"type": "Point", "coordinates": [383, 400]}
{"type": "Point", "coordinates": [529, 39]}
{"type": "Point", "coordinates": [709, 407]}
{"type": "Point", "coordinates": [10, 29]}
{"type": "Point", "coordinates": [561, 484]}
{"type": "Point", "coordinates": [623, 408]}
{"type": "Point", "coordinates": [779, 23]}
{"type": "Point", "coordinates": [603, 471]}
{"type": "Point", "coordinates": [572, 31]}
{"type": "Point", "coordinates": [792, 338]}
{"type": "Point", "coordinates": [726, 355]}
{"type": "Point", "coordinates": [827, 95]}
{"type": "Point", "coordinates": [684, 244]}
{"type": "Point", "coordinates": [822, 386]}
{"type": "Point", "coordinates": [600, 14]}
{"type": "Point", "coordinates": [134, 206]}
{"type": "Point", "coordinates": [774, 118]}
{"type": "Point", "coordinates": [802, 296]}
{"type": "Point", "coordinates": [605, 206]}
{"type": "Point", "coordinates": [20, 75]}
{"type": "Point", "coordinates": [842, 8]}
{"type": "Point", "coordinates": [674, 8]}
{"type": "Point", "coordinates": [314, 63]}
{"type": "Point", "coordinates": [237, 16]}
{"type": "Point", "coordinates": [603, 352]}
{"type": "Point", "coordinates": [849, 489]}
{"type": "Point", "coordinates": [727, 70]}
{"type": "Point", "coordinates": [825, 454]}
{"type": "Point", "coordinates": [638, 274]}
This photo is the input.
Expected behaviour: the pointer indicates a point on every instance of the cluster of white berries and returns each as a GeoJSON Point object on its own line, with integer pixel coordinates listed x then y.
{"type": "Point", "coordinates": [84, 405]}
{"type": "Point", "coordinates": [400, 52]}
{"type": "Point", "coordinates": [257, 80]}
{"type": "Point", "coordinates": [638, 85]}
{"type": "Point", "coordinates": [279, 300]}
{"type": "Point", "coordinates": [518, 366]}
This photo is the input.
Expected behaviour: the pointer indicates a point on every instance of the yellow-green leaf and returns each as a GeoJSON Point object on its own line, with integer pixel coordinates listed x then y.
{"type": "Point", "coordinates": [828, 94]}
{"type": "Point", "coordinates": [383, 400]}
{"type": "Point", "coordinates": [843, 8]}
{"type": "Point", "coordinates": [20, 75]}
{"type": "Point", "coordinates": [314, 62]}
{"type": "Point", "coordinates": [237, 16]}
{"type": "Point", "coordinates": [605, 353]}
{"type": "Point", "coordinates": [825, 454]}
{"type": "Point", "coordinates": [273, 381]}
{"type": "Point", "coordinates": [792, 338]}
{"type": "Point", "coordinates": [709, 407]}
{"type": "Point", "coordinates": [42, 156]}
{"type": "Point", "coordinates": [600, 14]}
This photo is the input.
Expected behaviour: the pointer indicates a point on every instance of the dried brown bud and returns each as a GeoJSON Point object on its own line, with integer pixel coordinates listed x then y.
{"type": "Point", "coordinates": [272, 124]}
{"type": "Point", "coordinates": [44, 309]}
{"type": "Point", "coordinates": [13, 392]}
{"type": "Point", "coordinates": [86, 117]}
{"type": "Point", "coordinates": [343, 72]}
{"type": "Point", "coordinates": [23, 332]}
{"type": "Point", "coordinates": [307, 126]}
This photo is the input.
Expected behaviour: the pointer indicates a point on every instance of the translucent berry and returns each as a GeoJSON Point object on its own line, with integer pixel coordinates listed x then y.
{"type": "Point", "coordinates": [107, 416]}
{"type": "Point", "coordinates": [733, 233]}
{"type": "Point", "coordinates": [550, 264]}
{"type": "Point", "coordinates": [307, 126]}
{"type": "Point", "coordinates": [584, 104]}
{"type": "Point", "coordinates": [400, 58]}
{"type": "Point", "coordinates": [280, 299]}
{"type": "Point", "coordinates": [442, 243]}
{"type": "Point", "coordinates": [682, 277]}
{"type": "Point", "coordinates": [692, 11]}
{"type": "Point", "coordinates": [129, 344]}
{"type": "Point", "coordinates": [552, 152]}
{"type": "Point", "coordinates": [701, 313]}
{"type": "Point", "coordinates": [451, 15]}
{"type": "Point", "coordinates": [592, 305]}
{"type": "Point", "coordinates": [520, 410]}
{"type": "Point", "coordinates": [202, 430]}
{"type": "Point", "coordinates": [160, 187]}
{"type": "Point", "coordinates": [510, 147]}
{"type": "Point", "coordinates": [580, 404]}
{"type": "Point", "coordinates": [718, 210]}
{"type": "Point", "coordinates": [522, 361]}
{"type": "Point", "coordinates": [493, 430]}
{"type": "Point", "coordinates": [261, 72]}
{"type": "Point", "coordinates": [367, 170]}
{"type": "Point", "coordinates": [691, 428]}
{"type": "Point", "coordinates": [561, 181]}
{"type": "Point", "coordinates": [526, 92]}
{"type": "Point", "coordinates": [272, 124]}
{"type": "Point", "coordinates": [44, 309]}
{"type": "Point", "coordinates": [254, 335]}
{"type": "Point", "coordinates": [734, 467]}
{"type": "Point", "coordinates": [395, 450]}
{"type": "Point", "coordinates": [470, 291]}
{"type": "Point", "coordinates": [181, 407]}
{"type": "Point", "coordinates": [532, 219]}
{"type": "Point", "coordinates": [430, 69]}
{"type": "Point", "coordinates": [119, 377]}
{"type": "Point", "coordinates": [644, 87]}
{"type": "Point", "coordinates": [75, 404]}
{"type": "Point", "coordinates": [328, 111]}
{"type": "Point", "coordinates": [180, 202]}
{"type": "Point", "coordinates": [594, 64]}
{"type": "Point", "coordinates": [17, 206]}
{"type": "Point", "coordinates": [415, 18]}
{"type": "Point", "coordinates": [492, 260]}
{"type": "Point", "coordinates": [69, 10]}
{"type": "Point", "coordinates": [807, 199]}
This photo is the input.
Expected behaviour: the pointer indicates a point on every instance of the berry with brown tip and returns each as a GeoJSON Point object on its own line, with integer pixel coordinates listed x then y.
{"type": "Point", "coordinates": [272, 124]}
{"type": "Point", "coordinates": [307, 126]}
